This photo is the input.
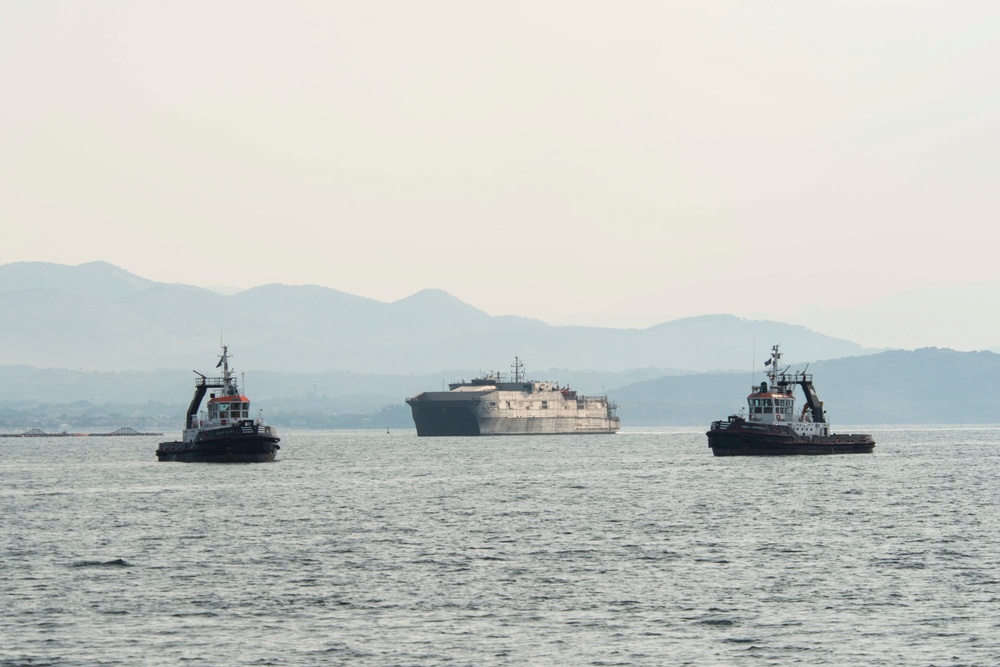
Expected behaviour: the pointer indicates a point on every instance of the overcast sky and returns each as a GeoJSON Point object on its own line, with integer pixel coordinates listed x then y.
{"type": "Point", "coordinates": [612, 163]}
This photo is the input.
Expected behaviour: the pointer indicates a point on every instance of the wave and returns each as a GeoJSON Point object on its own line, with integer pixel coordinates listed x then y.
{"type": "Point", "coordinates": [118, 562]}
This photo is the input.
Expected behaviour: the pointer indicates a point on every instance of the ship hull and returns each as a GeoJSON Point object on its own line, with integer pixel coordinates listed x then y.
{"type": "Point", "coordinates": [740, 438]}
{"type": "Point", "coordinates": [467, 418]}
{"type": "Point", "coordinates": [224, 445]}
{"type": "Point", "coordinates": [445, 420]}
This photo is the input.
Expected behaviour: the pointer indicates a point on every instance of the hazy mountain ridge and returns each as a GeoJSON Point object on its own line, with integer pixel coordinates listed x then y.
{"type": "Point", "coordinates": [92, 278]}
{"type": "Point", "coordinates": [312, 354]}
{"type": "Point", "coordinates": [926, 386]}
{"type": "Point", "coordinates": [21, 384]}
{"type": "Point", "coordinates": [98, 316]}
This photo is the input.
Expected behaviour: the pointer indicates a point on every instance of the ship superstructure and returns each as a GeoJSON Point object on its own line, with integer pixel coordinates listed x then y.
{"type": "Point", "coordinates": [494, 405]}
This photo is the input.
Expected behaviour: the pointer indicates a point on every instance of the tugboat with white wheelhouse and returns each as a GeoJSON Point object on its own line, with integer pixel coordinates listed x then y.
{"type": "Point", "coordinates": [227, 433]}
{"type": "Point", "coordinates": [772, 427]}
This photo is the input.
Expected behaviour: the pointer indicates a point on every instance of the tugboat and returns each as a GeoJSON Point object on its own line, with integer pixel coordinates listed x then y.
{"type": "Point", "coordinates": [773, 429]}
{"type": "Point", "coordinates": [227, 434]}
{"type": "Point", "coordinates": [492, 405]}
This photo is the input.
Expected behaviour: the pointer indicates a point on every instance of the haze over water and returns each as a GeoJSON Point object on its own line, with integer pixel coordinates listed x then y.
{"type": "Point", "coordinates": [373, 548]}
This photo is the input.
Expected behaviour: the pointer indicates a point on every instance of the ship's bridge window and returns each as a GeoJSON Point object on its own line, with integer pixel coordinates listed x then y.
{"type": "Point", "coordinates": [229, 410]}
{"type": "Point", "coordinates": [768, 406]}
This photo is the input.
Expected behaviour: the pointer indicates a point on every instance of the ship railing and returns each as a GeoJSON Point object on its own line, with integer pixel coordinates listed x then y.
{"type": "Point", "coordinates": [581, 397]}
{"type": "Point", "coordinates": [202, 381]}
{"type": "Point", "coordinates": [793, 378]}
{"type": "Point", "coordinates": [249, 426]}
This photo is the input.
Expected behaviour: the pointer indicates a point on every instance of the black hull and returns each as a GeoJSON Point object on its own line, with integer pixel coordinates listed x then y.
{"type": "Point", "coordinates": [227, 446]}
{"type": "Point", "coordinates": [741, 439]}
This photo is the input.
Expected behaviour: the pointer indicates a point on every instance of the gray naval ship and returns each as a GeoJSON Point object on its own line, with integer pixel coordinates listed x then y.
{"type": "Point", "coordinates": [490, 405]}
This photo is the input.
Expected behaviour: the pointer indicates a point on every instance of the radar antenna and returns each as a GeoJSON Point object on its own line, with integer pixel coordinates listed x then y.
{"type": "Point", "coordinates": [518, 370]}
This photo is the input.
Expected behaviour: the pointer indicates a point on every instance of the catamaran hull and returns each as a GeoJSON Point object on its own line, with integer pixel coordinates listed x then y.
{"type": "Point", "coordinates": [461, 420]}
{"type": "Point", "coordinates": [445, 420]}
{"type": "Point", "coordinates": [743, 439]}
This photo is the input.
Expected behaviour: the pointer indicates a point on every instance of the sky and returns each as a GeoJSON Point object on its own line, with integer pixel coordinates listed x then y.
{"type": "Point", "coordinates": [833, 164]}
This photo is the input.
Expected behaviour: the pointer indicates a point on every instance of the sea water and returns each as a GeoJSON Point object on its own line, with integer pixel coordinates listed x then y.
{"type": "Point", "coordinates": [375, 548]}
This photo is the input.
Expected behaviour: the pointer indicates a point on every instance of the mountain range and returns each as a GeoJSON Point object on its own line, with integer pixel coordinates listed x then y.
{"type": "Point", "coordinates": [97, 316]}
{"type": "Point", "coordinates": [104, 340]}
{"type": "Point", "coordinates": [925, 386]}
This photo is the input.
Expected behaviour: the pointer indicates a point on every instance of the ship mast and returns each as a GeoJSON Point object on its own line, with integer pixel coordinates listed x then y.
{"type": "Point", "coordinates": [227, 376]}
{"type": "Point", "coordinates": [518, 368]}
{"type": "Point", "coordinates": [773, 361]}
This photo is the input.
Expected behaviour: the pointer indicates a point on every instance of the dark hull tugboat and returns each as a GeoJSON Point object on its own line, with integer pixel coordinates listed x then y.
{"type": "Point", "coordinates": [773, 429]}
{"type": "Point", "coordinates": [227, 434]}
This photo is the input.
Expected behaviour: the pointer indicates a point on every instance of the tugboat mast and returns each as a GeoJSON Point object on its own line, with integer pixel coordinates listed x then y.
{"type": "Point", "coordinates": [775, 358]}
{"type": "Point", "coordinates": [227, 375]}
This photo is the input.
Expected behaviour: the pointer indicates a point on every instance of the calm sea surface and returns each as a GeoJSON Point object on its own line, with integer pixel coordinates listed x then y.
{"type": "Point", "coordinates": [374, 548]}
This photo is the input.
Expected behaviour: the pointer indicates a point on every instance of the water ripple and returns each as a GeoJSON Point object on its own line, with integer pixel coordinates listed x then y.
{"type": "Point", "coordinates": [366, 548]}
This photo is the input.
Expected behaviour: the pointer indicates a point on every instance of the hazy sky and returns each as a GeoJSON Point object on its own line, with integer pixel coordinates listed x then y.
{"type": "Point", "coordinates": [614, 163]}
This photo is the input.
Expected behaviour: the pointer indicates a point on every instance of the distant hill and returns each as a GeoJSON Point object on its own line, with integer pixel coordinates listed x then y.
{"type": "Point", "coordinates": [99, 279]}
{"type": "Point", "coordinates": [326, 390]}
{"type": "Point", "coordinates": [926, 386]}
{"type": "Point", "coordinates": [99, 317]}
